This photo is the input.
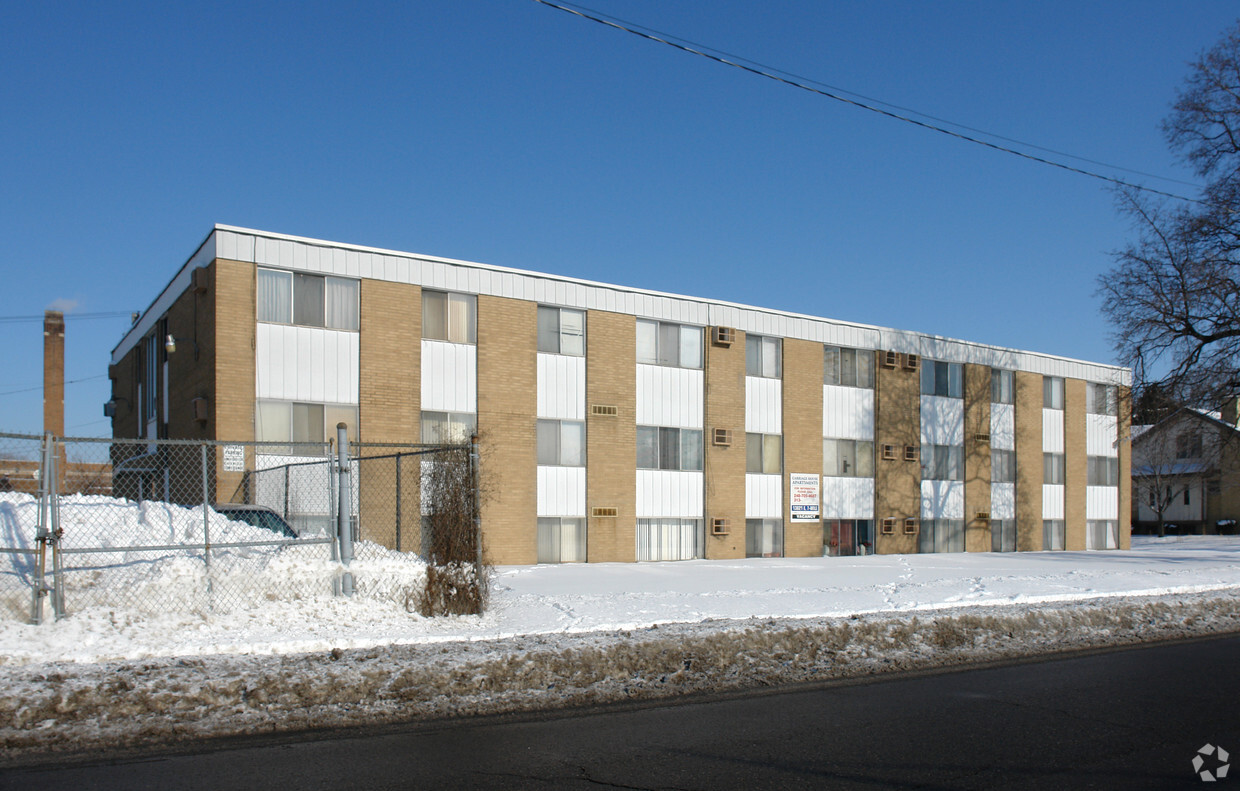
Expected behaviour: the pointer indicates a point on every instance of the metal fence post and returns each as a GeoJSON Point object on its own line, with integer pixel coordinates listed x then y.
{"type": "Point", "coordinates": [206, 511]}
{"type": "Point", "coordinates": [398, 500]}
{"type": "Point", "coordinates": [343, 507]}
{"type": "Point", "coordinates": [41, 533]}
{"type": "Point", "coordinates": [58, 586]}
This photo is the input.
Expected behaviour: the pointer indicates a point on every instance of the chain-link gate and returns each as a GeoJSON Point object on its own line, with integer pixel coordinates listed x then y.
{"type": "Point", "coordinates": [180, 525]}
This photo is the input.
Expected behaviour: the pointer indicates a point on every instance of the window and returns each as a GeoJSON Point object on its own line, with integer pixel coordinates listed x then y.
{"type": "Point", "coordinates": [848, 458]}
{"type": "Point", "coordinates": [764, 538]}
{"type": "Point", "coordinates": [764, 453]}
{"type": "Point", "coordinates": [1053, 531]}
{"type": "Point", "coordinates": [561, 443]}
{"type": "Point", "coordinates": [1052, 392]}
{"type": "Point", "coordinates": [847, 367]}
{"type": "Point", "coordinates": [448, 427]}
{"type": "Point", "coordinates": [660, 448]}
{"type": "Point", "coordinates": [1102, 471]}
{"type": "Point", "coordinates": [670, 539]}
{"type": "Point", "coordinates": [664, 343]}
{"type": "Point", "coordinates": [150, 395]}
{"type": "Point", "coordinates": [561, 539]}
{"type": "Point", "coordinates": [763, 356]}
{"type": "Point", "coordinates": [942, 463]}
{"type": "Point", "coordinates": [307, 300]}
{"type": "Point", "coordinates": [1002, 535]}
{"type": "Point", "coordinates": [561, 331]}
{"type": "Point", "coordinates": [1100, 399]}
{"type": "Point", "coordinates": [1188, 446]}
{"type": "Point", "coordinates": [1102, 534]}
{"type": "Point", "coordinates": [941, 535]}
{"type": "Point", "coordinates": [846, 537]}
{"type": "Point", "coordinates": [1003, 466]}
{"type": "Point", "coordinates": [1052, 468]}
{"type": "Point", "coordinates": [449, 317]}
{"type": "Point", "coordinates": [304, 428]}
{"type": "Point", "coordinates": [1186, 497]}
{"type": "Point", "coordinates": [1002, 386]}
{"type": "Point", "coordinates": [942, 379]}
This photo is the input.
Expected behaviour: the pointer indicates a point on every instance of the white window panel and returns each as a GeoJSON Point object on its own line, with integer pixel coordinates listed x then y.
{"type": "Point", "coordinates": [1102, 502]}
{"type": "Point", "coordinates": [942, 499]}
{"type": "Point", "coordinates": [942, 421]}
{"type": "Point", "coordinates": [764, 496]}
{"type": "Point", "coordinates": [1100, 434]}
{"type": "Point", "coordinates": [561, 491]}
{"type": "Point", "coordinates": [1003, 501]}
{"type": "Point", "coordinates": [847, 413]}
{"type": "Point", "coordinates": [669, 493]}
{"type": "Point", "coordinates": [1052, 501]}
{"type": "Point", "coordinates": [763, 406]}
{"type": "Point", "coordinates": [306, 364]}
{"type": "Point", "coordinates": [449, 376]}
{"type": "Point", "coordinates": [1052, 434]}
{"type": "Point", "coordinates": [1003, 427]}
{"type": "Point", "coordinates": [847, 498]}
{"type": "Point", "coordinates": [561, 387]}
{"type": "Point", "coordinates": [670, 396]}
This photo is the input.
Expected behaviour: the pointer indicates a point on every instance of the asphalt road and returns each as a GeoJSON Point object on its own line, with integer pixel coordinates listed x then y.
{"type": "Point", "coordinates": [1126, 719]}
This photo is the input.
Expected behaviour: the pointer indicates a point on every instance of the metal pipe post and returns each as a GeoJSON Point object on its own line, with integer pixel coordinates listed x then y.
{"type": "Point", "coordinates": [344, 506]}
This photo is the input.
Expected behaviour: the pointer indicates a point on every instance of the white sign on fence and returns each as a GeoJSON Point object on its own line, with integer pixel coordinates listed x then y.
{"type": "Point", "coordinates": [803, 488]}
{"type": "Point", "coordinates": [234, 458]}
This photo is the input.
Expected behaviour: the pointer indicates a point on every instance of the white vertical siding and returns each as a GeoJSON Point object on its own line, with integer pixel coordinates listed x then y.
{"type": "Point", "coordinates": [1003, 501]}
{"type": "Point", "coordinates": [669, 493]}
{"type": "Point", "coordinates": [1003, 427]}
{"type": "Point", "coordinates": [764, 496]}
{"type": "Point", "coordinates": [449, 376]}
{"type": "Point", "coordinates": [1100, 436]}
{"type": "Point", "coordinates": [668, 396]}
{"type": "Point", "coordinates": [1052, 433]}
{"type": "Point", "coordinates": [942, 421]}
{"type": "Point", "coordinates": [561, 491]}
{"type": "Point", "coordinates": [763, 405]}
{"type": "Point", "coordinates": [306, 364]}
{"type": "Point", "coordinates": [847, 412]}
{"type": "Point", "coordinates": [942, 500]}
{"type": "Point", "coordinates": [561, 387]}
{"type": "Point", "coordinates": [847, 498]}
{"type": "Point", "coordinates": [1102, 502]}
{"type": "Point", "coordinates": [1052, 501]}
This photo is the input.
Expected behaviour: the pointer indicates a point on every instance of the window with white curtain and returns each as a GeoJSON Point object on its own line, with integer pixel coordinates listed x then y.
{"type": "Point", "coordinates": [1003, 466]}
{"type": "Point", "coordinates": [307, 300]}
{"type": "Point", "coordinates": [1052, 468]}
{"type": "Point", "coordinates": [561, 443]}
{"type": "Point", "coordinates": [1054, 532]}
{"type": "Point", "coordinates": [449, 317]}
{"type": "Point", "coordinates": [662, 448]}
{"type": "Point", "coordinates": [1002, 386]}
{"type": "Point", "coordinates": [764, 538]}
{"type": "Point", "coordinates": [1052, 392]}
{"type": "Point", "coordinates": [1100, 399]}
{"type": "Point", "coordinates": [1002, 535]}
{"type": "Point", "coordinates": [942, 379]}
{"type": "Point", "coordinates": [847, 367]}
{"type": "Point", "coordinates": [942, 463]}
{"type": "Point", "coordinates": [764, 453]}
{"type": "Point", "coordinates": [848, 458]}
{"type": "Point", "coordinates": [941, 535]}
{"type": "Point", "coordinates": [763, 356]}
{"type": "Point", "coordinates": [666, 343]}
{"type": "Point", "coordinates": [448, 427]}
{"type": "Point", "coordinates": [670, 539]}
{"type": "Point", "coordinates": [302, 427]}
{"type": "Point", "coordinates": [1102, 471]}
{"type": "Point", "coordinates": [1102, 534]}
{"type": "Point", "coordinates": [561, 539]}
{"type": "Point", "coordinates": [561, 331]}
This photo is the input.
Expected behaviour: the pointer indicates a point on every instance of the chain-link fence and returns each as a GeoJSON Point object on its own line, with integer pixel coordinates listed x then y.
{"type": "Point", "coordinates": [179, 525]}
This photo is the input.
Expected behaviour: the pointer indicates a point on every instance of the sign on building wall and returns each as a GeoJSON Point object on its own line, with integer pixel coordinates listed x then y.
{"type": "Point", "coordinates": [804, 496]}
{"type": "Point", "coordinates": [234, 458]}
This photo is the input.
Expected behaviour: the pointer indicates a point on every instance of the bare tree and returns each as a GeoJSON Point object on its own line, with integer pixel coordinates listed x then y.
{"type": "Point", "coordinates": [456, 577]}
{"type": "Point", "coordinates": [1173, 295]}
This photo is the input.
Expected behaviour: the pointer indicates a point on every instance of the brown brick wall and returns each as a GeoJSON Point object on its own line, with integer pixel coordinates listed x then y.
{"type": "Point", "coordinates": [976, 457]}
{"type": "Point", "coordinates": [190, 321]}
{"type": "Point", "coordinates": [1074, 463]}
{"type": "Point", "coordinates": [802, 431]}
{"type": "Point", "coordinates": [232, 286]}
{"type": "Point", "coordinates": [389, 379]}
{"type": "Point", "coordinates": [124, 382]}
{"type": "Point", "coordinates": [507, 409]}
{"type": "Point", "coordinates": [897, 484]}
{"type": "Point", "coordinates": [725, 466]}
{"type": "Point", "coordinates": [1028, 461]}
{"type": "Point", "coordinates": [611, 442]}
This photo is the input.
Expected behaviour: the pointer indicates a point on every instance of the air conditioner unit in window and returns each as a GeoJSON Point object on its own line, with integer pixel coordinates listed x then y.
{"type": "Point", "coordinates": [723, 336]}
{"type": "Point", "coordinates": [910, 452]}
{"type": "Point", "coordinates": [889, 525]}
{"type": "Point", "coordinates": [722, 437]}
{"type": "Point", "coordinates": [604, 410]}
{"type": "Point", "coordinates": [910, 527]}
{"type": "Point", "coordinates": [603, 511]}
{"type": "Point", "coordinates": [911, 361]}
{"type": "Point", "coordinates": [889, 452]}
{"type": "Point", "coordinates": [720, 526]}
{"type": "Point", "coordinates": [889, 359]}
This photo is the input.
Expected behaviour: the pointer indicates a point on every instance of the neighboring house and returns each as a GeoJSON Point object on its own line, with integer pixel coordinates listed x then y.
{"type": "Point", "coordinates": [1186, 472]}
{"type": "Point", "coordinates": [619, 424]}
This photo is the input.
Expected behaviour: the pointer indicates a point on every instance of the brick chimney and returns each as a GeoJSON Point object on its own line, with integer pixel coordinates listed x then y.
{"type": "Point", "coordinates": [54, 373]}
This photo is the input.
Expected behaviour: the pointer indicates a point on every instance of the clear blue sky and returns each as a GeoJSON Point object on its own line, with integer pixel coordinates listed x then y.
{"type": "Point", "coordinates": [510, 133]}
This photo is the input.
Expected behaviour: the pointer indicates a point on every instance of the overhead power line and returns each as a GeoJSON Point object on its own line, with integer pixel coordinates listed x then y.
{"type": "Point", "coordinates": [870, 104]}
{"type": "Point", "coordinates": [112, 314]}
{"type": "Point", "coordinates": [40, 387]}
